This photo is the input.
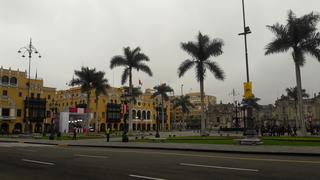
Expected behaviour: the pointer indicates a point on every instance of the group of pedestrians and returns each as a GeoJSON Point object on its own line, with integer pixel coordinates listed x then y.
{"type": "Point", "coordinates": [281, 130]}
{"type": "Point", "coordinates": [276, 130]}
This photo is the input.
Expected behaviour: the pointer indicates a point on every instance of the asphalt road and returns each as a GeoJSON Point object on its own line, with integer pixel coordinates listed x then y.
{"type": "Point", "coordinates": [24, 162]}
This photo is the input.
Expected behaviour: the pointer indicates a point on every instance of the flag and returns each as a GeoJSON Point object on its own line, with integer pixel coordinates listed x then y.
{"type": "Point", "coordinates": [140, 82]}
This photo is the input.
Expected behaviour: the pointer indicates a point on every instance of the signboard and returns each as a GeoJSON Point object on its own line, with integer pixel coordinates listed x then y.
{"type": "Point", "coordinates": [247, 90]}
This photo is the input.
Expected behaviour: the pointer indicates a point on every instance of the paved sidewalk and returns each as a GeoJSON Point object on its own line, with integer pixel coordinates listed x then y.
{"type": "Point", "coordinates": [245, 149]}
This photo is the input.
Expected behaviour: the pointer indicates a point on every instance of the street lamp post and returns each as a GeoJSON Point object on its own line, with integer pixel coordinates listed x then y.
{"type": "Point", "coordinates": [28, 50]}
{"type": "Point", "coordinates": [249, 131]}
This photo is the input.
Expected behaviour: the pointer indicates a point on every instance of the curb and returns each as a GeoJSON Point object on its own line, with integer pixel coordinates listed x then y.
{"type": "Point", "coordinates": [200, 150]}
{"type": "Point", "coordinates": [171, 148]}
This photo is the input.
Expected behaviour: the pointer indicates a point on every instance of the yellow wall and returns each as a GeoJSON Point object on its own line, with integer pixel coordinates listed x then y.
{"type": "Point", "coordinates": [16, 95]}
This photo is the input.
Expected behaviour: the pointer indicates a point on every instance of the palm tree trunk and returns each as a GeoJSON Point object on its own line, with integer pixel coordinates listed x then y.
{"type": "Point", "coordinates": [300, 103]}
{"type": "Point", "coordinates": [130, 100]}
{"type": "Point", "coordinates": [203, 121]}
{"type": "Point", "coordinates": [162, 116]}
{"type": "Point", "coordinates": [296, 109]}
{"type": "Point", "coordinates": [88, 109]}
{"type": "Point", "coordinates": [97, 120]}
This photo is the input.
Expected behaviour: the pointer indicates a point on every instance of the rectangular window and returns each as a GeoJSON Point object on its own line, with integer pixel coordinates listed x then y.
{"type": "Point", "coordinates": [49, 97]}
{"type": "Point", "coordinates": [5, 112]}
{"type": "Point", "coordinates": [48, 113]}
{"type": "Point", "coordinates": [20, 94]}
{"type": "Point", "coordinates": [19, 113]}
{"type": "Point", "coordinates": [5, 93]}
{"type": "Point", "coordinates": [38, 96]}
{"type": "Point", "coordinates": [32, 95]}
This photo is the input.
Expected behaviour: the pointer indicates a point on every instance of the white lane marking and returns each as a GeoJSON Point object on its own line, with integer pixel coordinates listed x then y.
{"type": "Point", "coordinates": [90, 156]}
{"type": "Point", "coordinates": [39, 162]}
{"type": "Point", "coordinates": [219, 167]}
{"type": "Point", "coordinates": [145, 177]}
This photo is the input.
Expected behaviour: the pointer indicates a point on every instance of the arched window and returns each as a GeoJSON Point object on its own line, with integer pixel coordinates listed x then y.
{"type": "Point", "coordinates": [5, 79]}
{"type": "Point", "coordinates": [139, 114]}
{"type": "Point", "coordinates": [144, 116]}
{"type": "Point", "coordinates": [13, 80]}
{"type": "Point", "coordinates": [134, 114]}
{"type": "Point", "coordinates": [148, 115]}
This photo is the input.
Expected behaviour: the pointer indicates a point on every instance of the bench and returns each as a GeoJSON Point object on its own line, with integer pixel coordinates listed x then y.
{"type": "Point", "coordinates": [158, 139]}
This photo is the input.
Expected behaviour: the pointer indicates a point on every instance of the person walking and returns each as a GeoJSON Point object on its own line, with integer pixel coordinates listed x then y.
{"type": "Point", "coordinates": [108, 133]}
{"type": "Point", "coordinates": [74, 134]}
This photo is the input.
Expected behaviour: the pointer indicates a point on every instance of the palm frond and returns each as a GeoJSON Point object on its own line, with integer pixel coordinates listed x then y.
{"type": "Point", "coordinates": [144, 68]}
{"type": "Point", "coordinates": [185, 66]}
{"type": "Point", "coordinates": [162, 90]}
{"type": "Point", "coordinates": [191, 48]}
{"type": "Point", "coordinates": [118, 61]}
{"type": "Point", "coordinates": [203, 40]}
{"type": "Point", "coordinates": [125, 75]}
{"type": "Point", "coordinates": [136, 51]}
{"type": "Point", "coordinates": [215, 69]}
{"type": "Point", "coordinates": [311, 45]}
{"type": "Point", "coordinates": [281, 43]}
{"type": "Point", "coordinates": [140, 57]}
{"type": "Point", "coordinates": [214, 48]}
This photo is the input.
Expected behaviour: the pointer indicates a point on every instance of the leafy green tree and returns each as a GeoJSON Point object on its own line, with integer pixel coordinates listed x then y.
{"type": "Point", "coordinates": [184, 103]}
{"type": "Point", "coordinates": [292, 93]}
{"type": "Point", "coordinates": [300, 36]}
{"type": "Point", "coordinates": [162, 90]}
{"type": "Point", "coordinates": [201, 52]}
{"type": "Point", "coordinates": [131, 60]}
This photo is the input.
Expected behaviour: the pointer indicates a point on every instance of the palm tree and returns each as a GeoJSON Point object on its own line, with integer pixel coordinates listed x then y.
{"type": "Point", "coordinates": [162, 90]}
{"type": "Point", "coordinates": [132, 59]}
{"type": "Point", "coordinates": [100, 85]}
{"type": "Point", "coordinates": [184, 103]}
{"type": "Point", "coordinates": [85, 79]}
{"type": "Point", "coordinates": [301, 37]}
{"type": "Point", "coordinates": [201, 53]}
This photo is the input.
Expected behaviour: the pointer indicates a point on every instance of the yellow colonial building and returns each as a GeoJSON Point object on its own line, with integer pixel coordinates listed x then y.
{"type": "Point", "coordinates": [145, 110]}
{"type": "Point", "coordinates": [44, 105]}
{"type": "Point", "coordinates": [14, 104]}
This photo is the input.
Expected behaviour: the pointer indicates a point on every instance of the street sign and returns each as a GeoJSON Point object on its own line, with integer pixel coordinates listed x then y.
{"type": "Point", "coordinates": [247, 90]}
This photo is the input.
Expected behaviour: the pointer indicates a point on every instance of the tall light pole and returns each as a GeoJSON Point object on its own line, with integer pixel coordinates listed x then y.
{"type": "Point", "coordinates": [249, 132]}
{"type": "Point", "coordinates": [28, 50]}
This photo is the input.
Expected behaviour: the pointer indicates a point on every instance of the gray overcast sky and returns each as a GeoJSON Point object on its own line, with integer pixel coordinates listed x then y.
{"type": "Point", "coordinates": [74, 33]}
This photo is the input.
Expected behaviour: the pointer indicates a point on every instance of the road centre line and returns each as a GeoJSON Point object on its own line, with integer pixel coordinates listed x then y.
{"type": "Point", "coordinates": [90, 156]}
{"type": "Point", "coordinates": [39, 162]}
{"type": "Point", "coordinates": [145, 177]}
{"type": "Point", "coordinates": [219, 167]}
{"type": "Point", "coordinates": [219, 157]}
